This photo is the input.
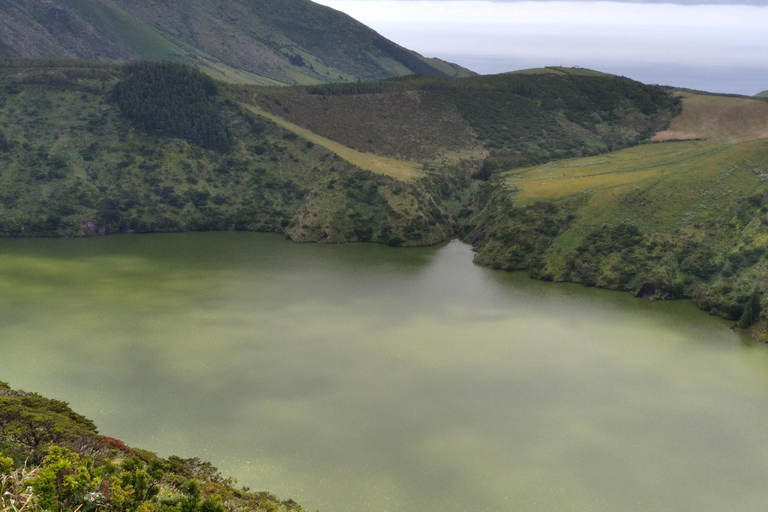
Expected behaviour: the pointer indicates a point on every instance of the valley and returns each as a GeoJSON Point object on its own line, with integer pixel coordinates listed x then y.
{"type": "Point", "coordinates": [202, 137]}
{"type": "Point", "coordinates": [528, 166]}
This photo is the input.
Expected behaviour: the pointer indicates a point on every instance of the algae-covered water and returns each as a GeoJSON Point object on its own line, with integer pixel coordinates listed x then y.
{"type": "Point", "coordinates": [362, 378]}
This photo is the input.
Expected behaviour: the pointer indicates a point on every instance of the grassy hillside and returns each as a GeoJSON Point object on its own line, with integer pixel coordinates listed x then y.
{"type": "Point", "coordinates": [501, 121]}
{"type": "Point", "coordinates": [53, 459]}
{"type": "Point", "coordinates": [73, 163]}
{"type": "Point", "coordinates": [669, 220]}
{"type": "Point", "coordinates": [713, 117]}
{"type": "Point", "coordinates": [763, 94]}
{"type": "Point", "coordinates": [261, 41]}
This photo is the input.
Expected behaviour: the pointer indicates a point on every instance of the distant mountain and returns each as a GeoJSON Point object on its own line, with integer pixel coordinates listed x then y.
{"type": "Point", "coordinates": [252, 41]}
{"type": "Point", "coordinates": [763, 94]}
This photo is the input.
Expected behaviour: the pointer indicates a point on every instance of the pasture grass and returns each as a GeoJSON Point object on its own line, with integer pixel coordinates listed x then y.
{"type": "Point", "coordinates": [662, 187]}
{"type": "Point", "coordinates": [712, 117]}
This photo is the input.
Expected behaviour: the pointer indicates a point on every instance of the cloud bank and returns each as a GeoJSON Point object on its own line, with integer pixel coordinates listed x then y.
{"type": "Point", "coordinates": [492, 35]}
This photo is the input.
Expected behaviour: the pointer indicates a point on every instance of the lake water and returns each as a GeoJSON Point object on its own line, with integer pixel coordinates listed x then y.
{"type": "Point", "coordinates": [366, 378]}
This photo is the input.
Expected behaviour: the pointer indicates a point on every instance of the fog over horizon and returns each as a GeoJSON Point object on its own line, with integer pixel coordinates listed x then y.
{"type": "Point", "coordinates": [699, 45]}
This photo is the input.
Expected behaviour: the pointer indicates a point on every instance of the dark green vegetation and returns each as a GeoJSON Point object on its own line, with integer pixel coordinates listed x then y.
{"type": "Point", "coordinates": [173, 101]}
{"type": "Point", "coordinates": [246, 41]}
{"type": "Point", "coordinates": [53, 459]}
{"type": "Point", "coordinates": [75, 163]}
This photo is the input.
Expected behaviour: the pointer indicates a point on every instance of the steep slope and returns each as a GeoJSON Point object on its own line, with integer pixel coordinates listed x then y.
{"type": "Point", "coordinates": [109, 149]}
{"type": "Point", "coordinates": [262, 41]}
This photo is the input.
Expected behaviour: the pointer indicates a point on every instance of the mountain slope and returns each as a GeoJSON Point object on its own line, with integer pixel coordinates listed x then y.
{"type": "Point", "coordinates": [43, 441]}
{"type": "Point", "coordinates": [506, 120]}
{"type": "Point", "coordinates": [108, 149]}
{"type": "Point", "coordinates": [261, 41]}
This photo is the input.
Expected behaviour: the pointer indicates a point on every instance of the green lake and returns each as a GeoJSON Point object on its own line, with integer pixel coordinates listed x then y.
{"type": "Point", "coordinates": [364, 378]}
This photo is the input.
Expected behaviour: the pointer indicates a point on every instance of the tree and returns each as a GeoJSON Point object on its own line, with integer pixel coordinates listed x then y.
{"type": "Point", "coordinates": [752, 310]}
{"type": "Point", "coordinates": [36, 422]}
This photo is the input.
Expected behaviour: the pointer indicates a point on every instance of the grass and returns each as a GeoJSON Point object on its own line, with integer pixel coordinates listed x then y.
{"type": "Point", "coordinates": [659, 186]}
{"type": "Point", "coordinates": [398, 169]}
{"type": "Point", "coordinates": [129, 31]}
{"type": "Point", "coordinates": [711, 117]}
{"type": "Point", "coordinates": [567, 177]}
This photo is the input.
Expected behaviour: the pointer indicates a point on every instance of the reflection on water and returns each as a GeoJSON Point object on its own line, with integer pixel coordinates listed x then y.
{"type": "Point", "coordinates": [365, 378]}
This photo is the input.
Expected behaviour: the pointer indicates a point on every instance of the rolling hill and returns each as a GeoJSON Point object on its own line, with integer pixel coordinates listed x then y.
{"type": "Point", "coordinates": [260, 41]}
{"type": "Point", "coordinates": [717, 117]}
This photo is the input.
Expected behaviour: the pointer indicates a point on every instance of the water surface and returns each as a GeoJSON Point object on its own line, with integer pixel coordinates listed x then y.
{"type": "Point", "coordinates": [366, 378]}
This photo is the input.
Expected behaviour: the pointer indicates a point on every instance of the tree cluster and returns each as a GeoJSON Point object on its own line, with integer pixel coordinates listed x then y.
{"type": "Point", "coordinates": [172, 100]}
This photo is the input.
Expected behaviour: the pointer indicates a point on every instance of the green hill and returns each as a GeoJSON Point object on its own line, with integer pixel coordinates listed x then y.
{"type": "Point", "coordinates": [670, 220]}
{"type": "Point", "coordinates": [763, 94]}
{"type": "Point", "coordinates": [259, 41]}
{"type": "Point", "coordinates": [98, 149]}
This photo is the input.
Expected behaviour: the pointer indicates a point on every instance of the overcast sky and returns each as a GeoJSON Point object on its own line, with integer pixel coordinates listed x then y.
{"type": "Point", "coordinates": [715, 46]}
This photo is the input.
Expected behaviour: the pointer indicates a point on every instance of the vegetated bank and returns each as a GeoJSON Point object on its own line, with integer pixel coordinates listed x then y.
{"type": "Point", "coordinates": [53, 459]}
{"type": "Point", "coordinates": [669, 220]}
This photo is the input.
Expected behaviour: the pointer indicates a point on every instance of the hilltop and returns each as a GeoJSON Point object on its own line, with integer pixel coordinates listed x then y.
{"type": "Point", "coordinates": [260, 41]}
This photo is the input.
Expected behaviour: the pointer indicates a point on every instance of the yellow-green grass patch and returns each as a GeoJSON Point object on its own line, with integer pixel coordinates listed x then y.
{"type": "Point", "coordinates": [659, 186]}
{"type": "Point", "coordinates": [398, 169]}
{"type": "Point", "coordinates": [567, 177]}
